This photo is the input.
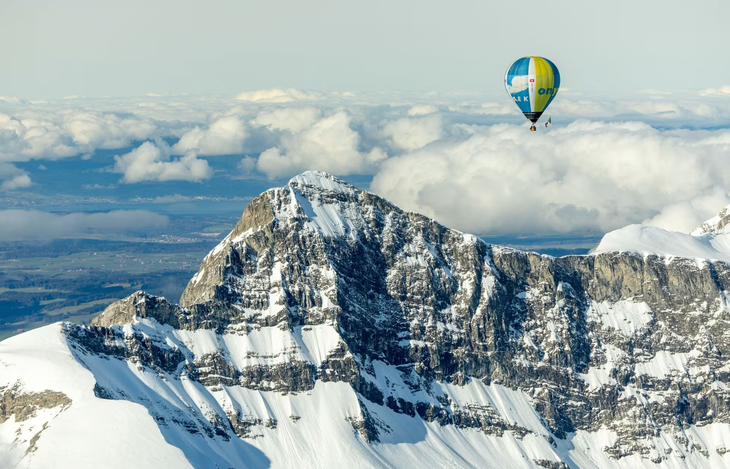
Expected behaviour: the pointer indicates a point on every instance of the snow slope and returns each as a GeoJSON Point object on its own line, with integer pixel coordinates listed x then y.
{"type": "Point", "coordinates": [441, 352]}
{"type": "Point", "coordinates": [92, 432]}
{"type": "Point", "coordinates": [312, 429]}
{"type": "Point", "coordinates": [711, 240]}
{"type": "Point", "coordinates": [648, 240]}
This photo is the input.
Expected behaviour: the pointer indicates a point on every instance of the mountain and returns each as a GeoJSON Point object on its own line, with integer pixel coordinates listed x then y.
{"type": "Point", "coordinates": [716, 225]}
{"type": "Point", "coordinates": [709, 241]}
{"type": "Point", "coordinates": [332, 329]}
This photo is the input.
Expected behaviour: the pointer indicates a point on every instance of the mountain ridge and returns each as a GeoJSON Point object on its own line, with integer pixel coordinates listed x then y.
{"type": "Point", "coordinates": [331, 327]}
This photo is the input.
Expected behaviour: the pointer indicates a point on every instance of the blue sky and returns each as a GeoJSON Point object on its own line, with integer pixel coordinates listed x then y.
{"type": "Point", "coordinates": [192, 107]}
{"type": "Point", "coordinates": [92, 48]}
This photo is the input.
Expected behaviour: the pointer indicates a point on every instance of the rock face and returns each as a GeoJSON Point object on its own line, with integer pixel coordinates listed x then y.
{"type": "Point", "coordinates": [23, 406]}
{"type": "Point", "coordinates": [14, 403]}
{"type": "Point", "coordinates": [325, 295]}
{"type": "Point", "coordinates": [715, 225]}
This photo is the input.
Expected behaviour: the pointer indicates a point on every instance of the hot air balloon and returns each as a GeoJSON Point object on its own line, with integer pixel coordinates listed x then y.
{"type": "Point", "coordinates": [532, 83]}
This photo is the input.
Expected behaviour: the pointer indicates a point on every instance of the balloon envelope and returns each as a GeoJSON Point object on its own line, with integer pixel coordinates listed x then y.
{"type": "Point", "coordinates": [532, 83]}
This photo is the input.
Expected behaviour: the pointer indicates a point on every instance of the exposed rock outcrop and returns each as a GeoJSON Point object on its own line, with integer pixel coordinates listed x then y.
{"type": "Point", "coordinates": [323, 282]}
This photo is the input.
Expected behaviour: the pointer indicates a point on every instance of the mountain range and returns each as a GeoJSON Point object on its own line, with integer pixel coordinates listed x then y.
{"type": "Point", "coordinates": [332, 329]}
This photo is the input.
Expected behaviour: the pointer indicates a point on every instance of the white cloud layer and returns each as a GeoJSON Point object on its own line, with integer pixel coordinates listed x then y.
{"type": "Point", "coordinates": [105, 130]}
{"type": "Point", "coordinates": [12, 177]}
{"type": "Point", "coordinates": [411, 133]}
{"type": "Point", "coordinates": [278, 95]}
{"type": "Point", "coordinates": [171, 199]}
{"type": "Point", "coordinates": [152, 162]}
{"type": "Point", "coordinates": [292, 119]}
{"type": "Point", "coordinates": [328, 145]}
{"type": "Point", "coordinates": [10, 99]}
{"type": "Point", "coordinates": [23, 225]}
{"type": "Point", "coordinates": [64, 133]}
{"type": "Point", "coordinates": [585, 176]}
{"type": "Point", "coordinates": [722, 91]}
{"type": "Point", "coordinates": [422, 110]}
{"type": "Point", "coordinates": [686, 215]}
{"type": "Point", "coordinates": [224, 136]}
{"type": "Point", "coordinates": [448, 155]}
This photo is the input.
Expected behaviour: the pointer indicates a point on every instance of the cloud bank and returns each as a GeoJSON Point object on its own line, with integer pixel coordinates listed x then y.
{"type": "Point", "coordinates": [292, 119]}
{"type": "Point", "coordinates": [55, 134]}
{"type": "Point", "coordinates": [278, 95]}
{"type": "Point", "coordinates": [464, 158]}
{"type": "Point", "coordinates": [722, 91]}
{"type": "Point", "coordinates": [584, 176]}
{"type": "Point", "coordinates": [411, 133]}
{"type": "Point", "coordinates": [12, 177]}
{"type": "Point", "coordinates": [329, 145]}
{"type": "Point", "coordinates": [152, 162]}
{"type": "Point", "coordinates": [224, 136]}
{"type": "Point", "coordinates": [24, 225]}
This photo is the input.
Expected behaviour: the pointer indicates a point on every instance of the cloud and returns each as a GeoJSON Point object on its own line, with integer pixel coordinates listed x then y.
{"type": "Point", "coordinates": [225, 136]}
{"type": "Point", "coordinates": [171, 199]}
{"type": "Point", "coordinates": [328, 145]}
{"type": "Point", "coordinates": [214, 125]}
{"type": "Point", "coordinates": [487, 109]}
{"type": "Point", "coordinates": [422, 110]}
{"type": "Point", "coordinates": [23, 225]}
{"type": "Point", "coordinates": [448, 156]}
{"type": "Point", "coordinates": [10, 99]}
{"type": "Point", "coordinates": [159, 95]}
{"type": "Point", "coordinates": [152, 162]}
{"type": "Point", "coordinates": [105, 130]}
{"type": "Point", "coordinates": [651, 108]}
{"type": "Point", "coordinates": [278, 95]}
{"type": "Point", "coordinates": [16, 182]}
{"type": "Point", "coordinates": [411, 133]}
{"type": "Point", "coordinates": [21, 140]}
{"type": "Point", "coordinates": [722, 91]}
{"type": "Point", "coordinates": [584, 176]}
{"type": "Point", "coordinates": [686, 215]}
{"type": "Point", "coordinates": [13, 177]}
{"type": "Point", "coordinates": [34, 134]}
{"type": "Point", "coordinates": [247, 164]}
{"type": "Point", "coordinates": [289, 118]}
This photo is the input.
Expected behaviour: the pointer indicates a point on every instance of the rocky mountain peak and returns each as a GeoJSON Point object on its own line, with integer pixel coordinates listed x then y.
{"type": "Point", "coordinates": [330, 328]}
{"type": "Point", "coordinates": [313, 202]}
{"type": "Point", "coordinates": [319, 180]}
{"type": "Point", "coordinates": [715, 225]}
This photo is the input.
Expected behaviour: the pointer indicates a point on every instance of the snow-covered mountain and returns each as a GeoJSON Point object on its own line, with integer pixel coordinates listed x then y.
{"type": "Point", "coordinates": [719, 224]}
{"type": "Point", "coordinates": [332, 329]}
{"type": "Point", "coordinates": [709, 241]}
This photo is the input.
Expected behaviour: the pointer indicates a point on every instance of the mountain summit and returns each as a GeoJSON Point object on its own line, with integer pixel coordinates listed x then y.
{"type": "Point", "coordinates": [332, 329]}
{"type": "Point", "coordinates": [716, 225]}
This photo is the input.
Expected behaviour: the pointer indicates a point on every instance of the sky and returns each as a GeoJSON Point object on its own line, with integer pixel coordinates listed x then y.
{"type": "Point", "coordinates": [90, 48]}
{"type": "Point", "coordinates": [142, 110]}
